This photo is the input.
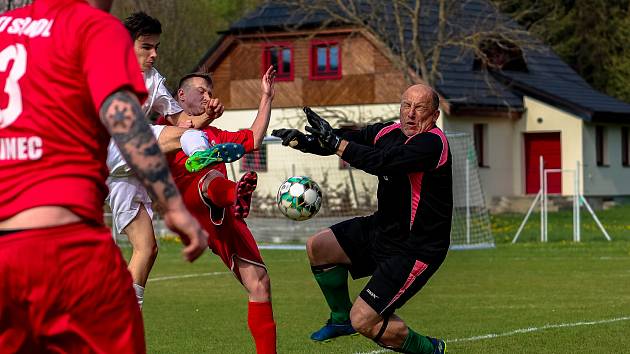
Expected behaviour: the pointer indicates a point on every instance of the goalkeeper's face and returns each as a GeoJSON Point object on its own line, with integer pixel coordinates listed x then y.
{"type": "Point", "coordinates": [418, 113]}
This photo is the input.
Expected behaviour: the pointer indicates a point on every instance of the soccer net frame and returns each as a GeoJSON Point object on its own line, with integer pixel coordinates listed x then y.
{"type": "Point", "coordinates": [542, 197]}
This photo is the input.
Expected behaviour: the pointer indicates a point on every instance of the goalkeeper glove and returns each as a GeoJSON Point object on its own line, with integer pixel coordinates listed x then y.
{"type": "Point", "coordinates": [324, 132]}
{"type": "Point", "coordinates": [300, 141]}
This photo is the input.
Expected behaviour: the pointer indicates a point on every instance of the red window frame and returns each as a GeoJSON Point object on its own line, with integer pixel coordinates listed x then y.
{"type": "Point", "coordinates": [327, 74]}
{"type": "Point", "coordinates": [281, 74]}
{"type": "Point", "coordinates": [255, 160]}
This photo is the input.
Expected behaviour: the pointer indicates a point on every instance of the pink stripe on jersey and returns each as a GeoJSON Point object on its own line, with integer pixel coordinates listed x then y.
{"type": "Point", "coordinates": [444, 156]}
{"type": "Point", "coordinates": [386, 130]}
{"type": "Point", "coordinates": [417, 270]}
{"type": "Point", "coordinates": [415, 180]}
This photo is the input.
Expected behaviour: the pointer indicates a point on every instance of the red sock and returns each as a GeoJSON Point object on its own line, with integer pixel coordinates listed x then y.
{"type": "Point", "coordinates": [262, 326]}
{"type": "Point", "coordinates": [222, 192]}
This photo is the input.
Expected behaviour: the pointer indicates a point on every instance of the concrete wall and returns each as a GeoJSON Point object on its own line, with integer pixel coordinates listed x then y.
{"type": "Point", "coordinates": [610, 180]}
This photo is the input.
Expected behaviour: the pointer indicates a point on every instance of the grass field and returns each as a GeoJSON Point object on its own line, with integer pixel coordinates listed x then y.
{"type": "Point", "coordinates": [559, 297]}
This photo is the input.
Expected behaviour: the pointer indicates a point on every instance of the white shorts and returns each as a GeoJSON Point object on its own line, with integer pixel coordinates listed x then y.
{"type": "Point", "coordinates": [126, 194]}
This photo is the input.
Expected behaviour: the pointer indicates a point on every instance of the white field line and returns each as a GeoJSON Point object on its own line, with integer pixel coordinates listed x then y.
{"type": "Point", "coordinates": [519, 331]}
{"type": "Point", "coordinates": [184, 276]}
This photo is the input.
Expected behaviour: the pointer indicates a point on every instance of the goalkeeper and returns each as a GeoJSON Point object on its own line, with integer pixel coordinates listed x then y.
{"type": "Point", "coordinates": [405, 241]}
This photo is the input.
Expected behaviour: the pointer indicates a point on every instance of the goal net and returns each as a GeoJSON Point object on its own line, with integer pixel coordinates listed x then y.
{"type": "Point", "coordinates": [348, 192]}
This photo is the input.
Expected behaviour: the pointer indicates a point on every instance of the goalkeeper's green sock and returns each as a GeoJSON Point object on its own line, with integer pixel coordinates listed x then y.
{"type": "Point", "coordinates": [417, 343]}
{"type": "Point", "coordinates": [334, 284]}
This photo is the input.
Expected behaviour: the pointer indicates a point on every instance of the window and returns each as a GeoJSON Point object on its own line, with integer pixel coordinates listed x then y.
{"type": "Point", "coordinates": [255, 160]}
{"type": "Point", "coordinates": [325, 60]}
{"type": "Point", "coordinates": [499, 54]}
{"type": "Point", "coordinates": [625, 147]}
{"type": "Point", "coordinates": [481, 143]}
{"type": "Point", "coordinates": [600, 146]}
{"type": "Point", "coordinates": [280, 55]}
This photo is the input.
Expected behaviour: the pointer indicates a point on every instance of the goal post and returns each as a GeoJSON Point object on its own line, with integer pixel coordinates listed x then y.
{"type": "Point", "coordinates": [542, 199]}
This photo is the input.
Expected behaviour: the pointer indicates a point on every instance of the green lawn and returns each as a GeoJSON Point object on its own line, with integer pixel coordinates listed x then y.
{"type": "Point", "coordinates": [525, 298]}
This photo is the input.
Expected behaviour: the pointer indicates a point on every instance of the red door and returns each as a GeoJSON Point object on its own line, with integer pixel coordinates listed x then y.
{"type": "Point", "coordinates": [546, 145]}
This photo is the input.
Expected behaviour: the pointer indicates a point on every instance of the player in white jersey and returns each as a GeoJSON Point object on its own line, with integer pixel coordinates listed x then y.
{"type": "Point", "coordinates": [132, 213]}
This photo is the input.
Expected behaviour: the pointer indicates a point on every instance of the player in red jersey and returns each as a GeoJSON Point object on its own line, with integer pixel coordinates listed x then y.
{"type": "Point", "coordinates": [64, 284]}
{"type": "Point", "coordinates": [220, 204]}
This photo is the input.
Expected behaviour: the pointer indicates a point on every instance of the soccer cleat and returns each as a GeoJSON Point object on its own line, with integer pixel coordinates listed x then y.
{"type": "Point", "coordinates": [244, 190]}
{"type": "Point", "coordinates": [333, 330]}
{"type": "Point", "coordinates": [439, 345]}
{"type": "Point", "coordinates": [227, 152]}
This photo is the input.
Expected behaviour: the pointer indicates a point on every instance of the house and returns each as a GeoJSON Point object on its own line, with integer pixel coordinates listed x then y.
{"type": "Point", "coordinates": [531, 105]}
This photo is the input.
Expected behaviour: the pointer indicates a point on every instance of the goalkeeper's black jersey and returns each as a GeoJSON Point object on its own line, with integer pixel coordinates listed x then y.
{"type": "Point", "coordinates": [415, 187]}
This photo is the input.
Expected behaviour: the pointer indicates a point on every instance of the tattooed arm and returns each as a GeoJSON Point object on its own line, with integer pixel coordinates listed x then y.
{"type": "Point", "coordinates": [122, 116]}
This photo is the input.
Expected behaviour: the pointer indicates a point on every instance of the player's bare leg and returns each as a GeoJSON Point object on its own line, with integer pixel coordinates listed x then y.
{"type": "Point", "coordinates": [145, 250]}
{"type": "Point", "coordinates": [392, 333]}
{"type": "Point", "coordinates": [260, 315]}
{"type": "Point", "coordinates": [329, 266]}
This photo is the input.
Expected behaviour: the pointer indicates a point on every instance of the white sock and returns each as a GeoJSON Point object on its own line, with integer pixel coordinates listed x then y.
{"type": "Point", "coordinates": [193, 141]}
{"type": "Point", "coordinates": [139, 294]}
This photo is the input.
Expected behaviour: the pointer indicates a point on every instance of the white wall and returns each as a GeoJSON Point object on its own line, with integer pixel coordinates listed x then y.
{"type": "Point", "coordinates": [498, 178]}
{"type": "Point", "coordinates": [613, 179]}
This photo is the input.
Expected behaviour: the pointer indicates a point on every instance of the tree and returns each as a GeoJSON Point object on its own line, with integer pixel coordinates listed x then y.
{"type": "Point", "coordinates": [189, 28]}
{"type": "Point", "coordinates": [13, 4]}
{"type": "Point", "coordinates": [590, 35]}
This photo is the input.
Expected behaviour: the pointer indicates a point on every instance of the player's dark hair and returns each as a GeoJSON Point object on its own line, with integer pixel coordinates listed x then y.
{"type": "Point", "coordinates": [205, 76]}
{"type": "Point", "coordinates": [140, 24]}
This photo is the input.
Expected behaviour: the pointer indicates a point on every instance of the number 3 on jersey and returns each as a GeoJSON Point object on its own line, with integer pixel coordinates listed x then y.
{"type": "Point", "coordinates": [17, 54]}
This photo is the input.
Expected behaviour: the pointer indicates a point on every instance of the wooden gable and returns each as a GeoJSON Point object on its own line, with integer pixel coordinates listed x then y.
{"type": "Point", "coordinates": [367, 76]}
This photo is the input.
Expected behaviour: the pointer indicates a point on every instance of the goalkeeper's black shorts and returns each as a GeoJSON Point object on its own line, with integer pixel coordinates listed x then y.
{"type": "Point", "coordinates": [395, 277]}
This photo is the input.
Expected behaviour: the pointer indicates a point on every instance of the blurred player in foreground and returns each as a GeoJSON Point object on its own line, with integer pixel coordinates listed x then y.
{"type": "Point", "coordinates": [131, 205]}
{"type": "Point", "coordinates": [64, 284]}
{"type": "Point", "coordinates": [405, 241]}
{"type": "Point", "coordinates": [220, 204]}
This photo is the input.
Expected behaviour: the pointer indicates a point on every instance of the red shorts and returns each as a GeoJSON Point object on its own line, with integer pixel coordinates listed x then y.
{"type": "Point", "coordinates": [66, 289]}
{"type": "Point", "coordinates": [229, 240]}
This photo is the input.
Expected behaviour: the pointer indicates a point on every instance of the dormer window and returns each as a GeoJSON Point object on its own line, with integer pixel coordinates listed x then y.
{"type": "Point", "coordinates": [498, 54]}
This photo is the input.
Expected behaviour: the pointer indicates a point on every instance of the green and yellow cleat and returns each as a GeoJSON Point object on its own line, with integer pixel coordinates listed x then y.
{"type": "Point", "coordinates": [226, 153]}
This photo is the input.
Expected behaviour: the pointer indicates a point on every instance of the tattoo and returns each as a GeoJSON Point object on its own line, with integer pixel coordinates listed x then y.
{"type": "Point", "coordinates": [123, 117]}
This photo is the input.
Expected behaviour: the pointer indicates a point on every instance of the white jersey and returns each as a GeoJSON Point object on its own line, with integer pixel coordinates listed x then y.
{"type": "Point", "coordinates": [159, 101]}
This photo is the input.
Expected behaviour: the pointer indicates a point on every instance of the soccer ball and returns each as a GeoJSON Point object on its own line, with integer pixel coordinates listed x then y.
{"type": "Point", "coordinates": [299, 198]}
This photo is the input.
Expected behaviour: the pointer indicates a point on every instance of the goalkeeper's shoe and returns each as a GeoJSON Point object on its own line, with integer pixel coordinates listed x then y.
{"type": "Point", "coordinates": [439, 345]}
{"type": "Point", "coordinates": [228, 152]}
{"type": "Point", "coordinates": [332, 330]}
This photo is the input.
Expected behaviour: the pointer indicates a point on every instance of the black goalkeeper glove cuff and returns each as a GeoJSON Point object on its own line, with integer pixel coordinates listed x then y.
{"type": "Point", "coordinates": [322, 130]}
{"type": "Point", "coordinates": [300, 141]}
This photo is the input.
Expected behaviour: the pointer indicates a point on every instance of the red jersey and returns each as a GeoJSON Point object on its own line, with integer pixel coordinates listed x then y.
{"type": "Point", "coordinates": [59, 60]}
{"type": "Point", "coordinates": [177, 160]}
